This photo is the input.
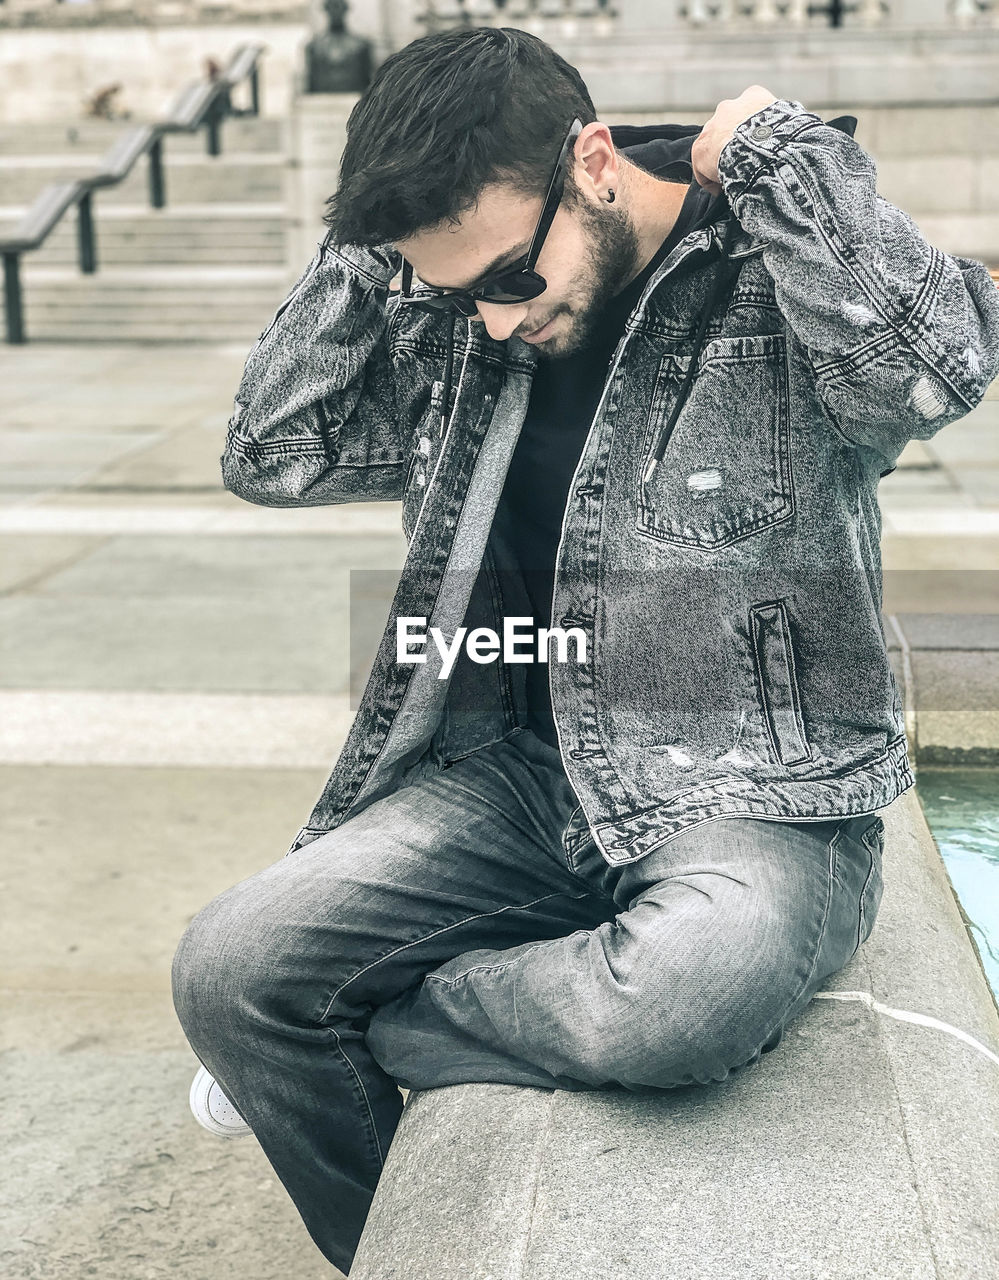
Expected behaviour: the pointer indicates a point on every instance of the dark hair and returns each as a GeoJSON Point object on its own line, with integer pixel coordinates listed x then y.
{"type": "Point", "coordinates": [446, 115]}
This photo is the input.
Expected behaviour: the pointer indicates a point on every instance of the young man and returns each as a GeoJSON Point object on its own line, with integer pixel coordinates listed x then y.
{"type": "Point", "coordinates": [638, 384]}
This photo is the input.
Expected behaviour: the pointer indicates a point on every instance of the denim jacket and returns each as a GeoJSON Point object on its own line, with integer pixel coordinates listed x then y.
{"type": "Point", "coordinates": [720, 545]}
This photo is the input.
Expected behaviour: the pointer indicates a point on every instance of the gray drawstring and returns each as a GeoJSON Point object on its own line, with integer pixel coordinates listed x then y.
{"type": "Point", "coordinates": [448, 373]}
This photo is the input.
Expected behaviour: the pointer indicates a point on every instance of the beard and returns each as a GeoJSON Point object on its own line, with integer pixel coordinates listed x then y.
{"type": "Point", "coordinates": [612, 262]}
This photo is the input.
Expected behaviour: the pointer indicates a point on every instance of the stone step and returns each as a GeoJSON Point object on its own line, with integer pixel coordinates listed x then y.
{"type": "Point", "coordinates": [933, 129]}
{"type": "Point", "coordinates": [120, 304]}
{"type": "Point", "coordinates": [972, 235]}
{"type": "Point", "coordinates": [133, 235]}
{"type": "Point", "coordinates": [94, 137]}
{"type": "Point", "coordinates": [235, 178]}
{"type": "Point", "coordinates": [940, 183]}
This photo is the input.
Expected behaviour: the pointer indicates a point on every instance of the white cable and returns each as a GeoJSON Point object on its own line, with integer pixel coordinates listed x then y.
{"type": "Point", "coordinates": [906, 1015]}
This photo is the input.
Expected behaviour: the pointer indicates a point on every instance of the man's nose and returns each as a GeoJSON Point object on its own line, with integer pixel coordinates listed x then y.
{"type": "Point", "coordinates": [500, 321]}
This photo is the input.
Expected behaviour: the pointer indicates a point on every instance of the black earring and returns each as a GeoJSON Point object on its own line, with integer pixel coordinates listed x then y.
{"type": "Point", "coordinates": [610, 195]}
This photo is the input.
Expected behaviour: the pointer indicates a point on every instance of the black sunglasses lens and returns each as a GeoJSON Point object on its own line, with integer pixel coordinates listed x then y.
{"type": "Point", "coordinates": [516, 286]}
{"type": "Point", "coordinates": [510, 287]}
{"type": "Point", "coordinates": [446, 302]}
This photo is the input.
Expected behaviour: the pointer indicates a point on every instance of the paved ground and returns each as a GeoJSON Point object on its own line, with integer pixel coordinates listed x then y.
{"type": "Point", "coordinates": [173, 688]}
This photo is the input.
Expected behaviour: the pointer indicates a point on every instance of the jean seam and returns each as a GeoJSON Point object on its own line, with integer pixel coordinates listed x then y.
{"type": "Point", "coordinates": [490, 968]}
{"type": "Point", "coordinates": [863, 919]}
{"type": "Point", "coordinates": [481, 915]}
{"type": "Point", "coordinates": [861, 928]}
{"type": "Point", "coordinates": [364, 1093]}
{"type": "Point", "coordinates": [833, 852]}
{"type": "Point", "coordinates": [506, 736]}
{"type": "Point", "coordinates": [395, 951]}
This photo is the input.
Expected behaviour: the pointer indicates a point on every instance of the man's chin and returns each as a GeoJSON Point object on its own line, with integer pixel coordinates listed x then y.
{"type": "Point", "coordinates": [566, 340]}
{"type": "Point", "coordinates": [574, 339]}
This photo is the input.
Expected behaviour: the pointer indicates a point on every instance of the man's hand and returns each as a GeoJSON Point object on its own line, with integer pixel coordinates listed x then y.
{"type": "Point", "coordinates": [709, 142]}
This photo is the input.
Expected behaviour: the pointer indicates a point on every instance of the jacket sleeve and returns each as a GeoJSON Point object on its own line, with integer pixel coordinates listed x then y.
{"type": "Point", "coordinates": [315, 417]}
{"type": "Point", "coordinates": [901, 337]}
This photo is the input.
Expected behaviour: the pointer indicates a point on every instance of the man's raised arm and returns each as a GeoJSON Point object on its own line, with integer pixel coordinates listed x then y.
{"type": "Point", "coordinates": [902, 337]}
{"type": "Point", "coordinates": [315, 417]}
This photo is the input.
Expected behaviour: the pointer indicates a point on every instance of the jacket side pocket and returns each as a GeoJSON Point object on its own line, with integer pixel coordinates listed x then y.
{"type": "Point", "coordinates": [773, 655]}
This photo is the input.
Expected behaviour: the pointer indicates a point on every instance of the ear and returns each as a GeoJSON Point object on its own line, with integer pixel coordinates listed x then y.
{"type": "Point", "coordinates": [596, 160]}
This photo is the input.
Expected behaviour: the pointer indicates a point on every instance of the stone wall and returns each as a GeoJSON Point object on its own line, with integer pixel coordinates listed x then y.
{"type": "Point", "coordinates": [47, 74]}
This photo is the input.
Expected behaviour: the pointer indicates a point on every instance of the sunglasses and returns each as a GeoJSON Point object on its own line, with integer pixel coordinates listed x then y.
{"type": "Point", "coordinates": [516, 283]}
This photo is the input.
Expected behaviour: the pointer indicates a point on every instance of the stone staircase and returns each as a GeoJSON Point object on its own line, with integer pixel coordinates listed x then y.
{"type": "Point", "coordinates": [217, 261]}
{"type": "Point", "coordinates": [213, 265]}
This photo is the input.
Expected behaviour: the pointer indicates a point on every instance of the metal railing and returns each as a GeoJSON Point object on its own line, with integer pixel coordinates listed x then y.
{"type": "Point", "coordinates": [203, 104]}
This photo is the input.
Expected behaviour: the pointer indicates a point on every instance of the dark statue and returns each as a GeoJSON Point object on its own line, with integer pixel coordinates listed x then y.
{"type": "Point", "coordinates": [337, 62]}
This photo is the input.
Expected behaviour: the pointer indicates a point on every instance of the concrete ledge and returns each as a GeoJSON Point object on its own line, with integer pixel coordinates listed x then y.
{"type": "Point", "coordinates": [862, 1146]}
{"type": "Point", "coordinates": [951, 697]}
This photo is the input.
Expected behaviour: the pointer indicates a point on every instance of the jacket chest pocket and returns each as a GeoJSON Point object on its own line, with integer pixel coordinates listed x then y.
{"type": "Point", "coordinates": [726, 470]}
{"type": "Point", "coordinates": [421, 462]}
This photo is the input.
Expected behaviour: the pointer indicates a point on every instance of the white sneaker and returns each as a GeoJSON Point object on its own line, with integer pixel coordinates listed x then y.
{"type": "Point", "coordinates": [213, 1110]}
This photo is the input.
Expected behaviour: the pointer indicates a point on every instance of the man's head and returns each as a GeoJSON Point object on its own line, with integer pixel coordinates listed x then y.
{"type": "Point", "coordinates": [449, 156]}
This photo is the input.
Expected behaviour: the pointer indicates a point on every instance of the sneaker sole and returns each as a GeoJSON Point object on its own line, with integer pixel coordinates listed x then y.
{"type": "Point", "coordinates": [200, 1088]}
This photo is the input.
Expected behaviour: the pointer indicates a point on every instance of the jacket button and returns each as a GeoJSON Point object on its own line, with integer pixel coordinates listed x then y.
{"type": "Point", "coordinates": [761, 132]}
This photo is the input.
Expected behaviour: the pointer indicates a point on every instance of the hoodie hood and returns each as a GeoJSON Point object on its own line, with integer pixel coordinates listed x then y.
{"type": "Point", "coordinates": [664, 151]}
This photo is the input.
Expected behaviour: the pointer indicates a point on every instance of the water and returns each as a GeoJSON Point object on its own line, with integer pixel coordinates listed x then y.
{"type": "Point", "coordinates": [962, 808]}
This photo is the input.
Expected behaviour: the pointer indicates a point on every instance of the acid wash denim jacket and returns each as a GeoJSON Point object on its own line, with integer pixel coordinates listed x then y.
{"type": "Point", "coordinates": [731, 592]}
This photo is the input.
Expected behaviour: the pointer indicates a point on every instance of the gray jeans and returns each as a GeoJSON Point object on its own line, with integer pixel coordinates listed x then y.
{"type": "Point", "coordinates": [448, 933]}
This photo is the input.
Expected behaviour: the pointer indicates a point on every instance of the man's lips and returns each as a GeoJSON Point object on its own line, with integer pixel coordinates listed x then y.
{"type": "Point", "coordinates": [539, 334]}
